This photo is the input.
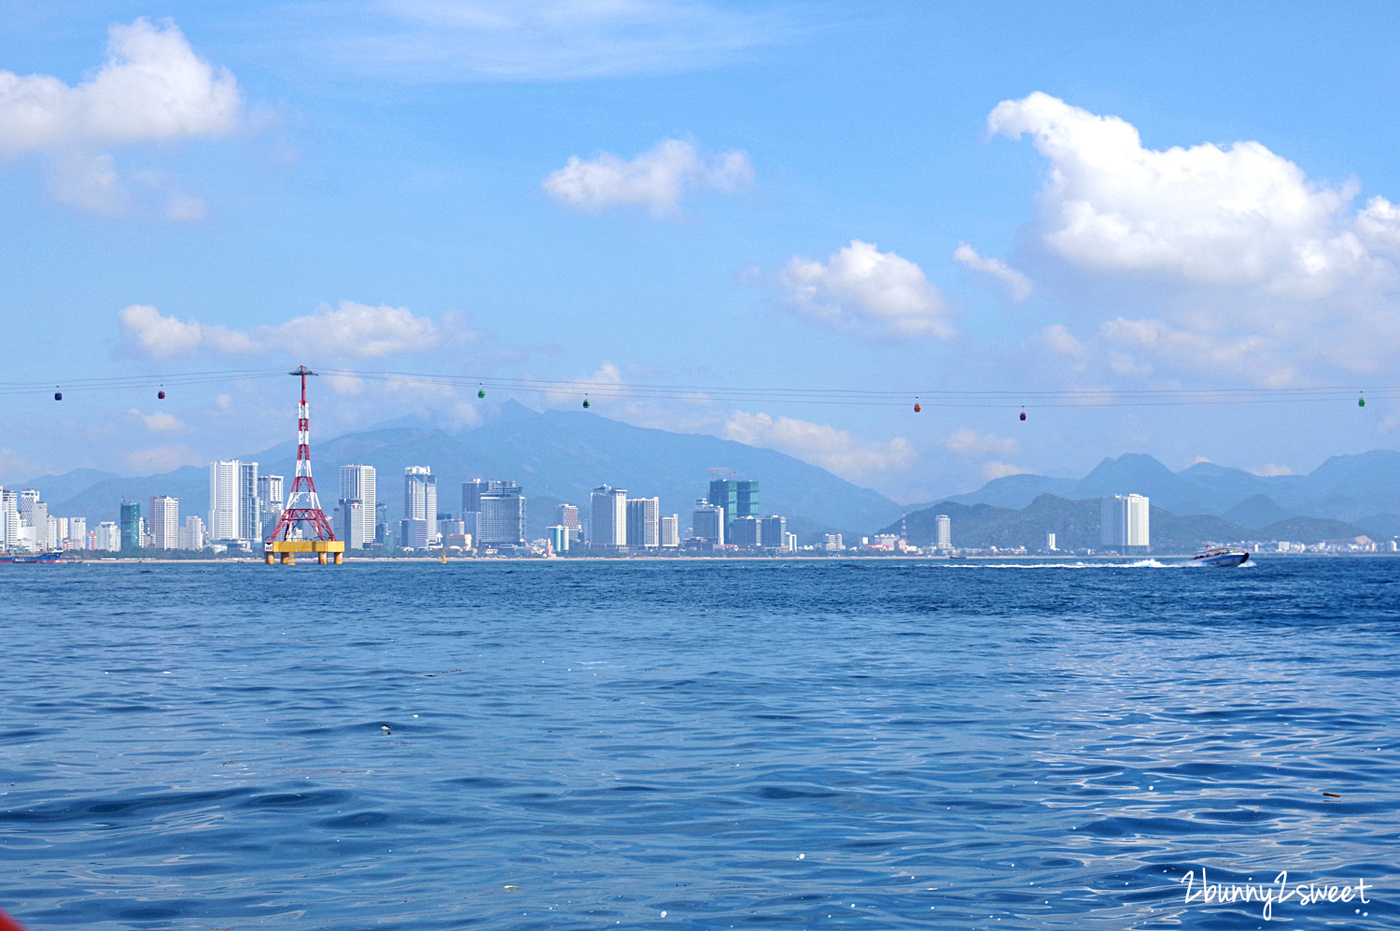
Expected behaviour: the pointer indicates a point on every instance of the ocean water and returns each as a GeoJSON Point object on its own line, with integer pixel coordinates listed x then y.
{"type": "Point", "coordinates": [764, 745]}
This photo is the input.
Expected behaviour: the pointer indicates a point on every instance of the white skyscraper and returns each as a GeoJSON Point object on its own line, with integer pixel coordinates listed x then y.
{"type": "Point", "coordinates": [77, 534]}
{"type": "Point", "coordinates": [1123, 522]}
{"type": "Point", "coordinates": [420, 497]}
{"type": "Point", "coordinates": [164, 522]}
{"type": "Point", "coordinates": [943, 532]}
{"type": "Point", "coordinates": [670, 531]}
{"type": "Point", "coordinates": [357, 484]}
{"type": "Point", "coordinates": [644, 522]}
{"type": "Point", "coordinates": [109, 536]}
{"type": "Point", "coordinates": [609, 511]}
{"type": "Point", "coordinates": [233, 501]}
{"type": "Point", "coordinates": [192, 534]}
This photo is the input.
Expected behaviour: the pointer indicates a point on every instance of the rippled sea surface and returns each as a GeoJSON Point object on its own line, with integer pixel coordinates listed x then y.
{"type": "Point", "coordinates": [763, 745]}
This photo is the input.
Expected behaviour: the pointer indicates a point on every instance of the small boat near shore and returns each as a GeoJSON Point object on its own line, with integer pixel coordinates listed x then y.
{"type": "Point", "coordinates": [1224, 556]}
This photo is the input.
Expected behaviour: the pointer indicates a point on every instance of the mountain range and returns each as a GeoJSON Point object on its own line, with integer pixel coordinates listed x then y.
{"type": "Point", "coordinates": [1346, 488]}
{"type": "Point", "coordinates": [557, 456]}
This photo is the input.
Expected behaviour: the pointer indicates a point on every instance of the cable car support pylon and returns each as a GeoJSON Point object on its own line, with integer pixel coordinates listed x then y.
{"type": "Point", "coordinates": [303, 506]}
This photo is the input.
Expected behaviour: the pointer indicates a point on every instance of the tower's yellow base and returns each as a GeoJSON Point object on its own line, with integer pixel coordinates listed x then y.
{"type": "Point", "coordinates": [285, 551]}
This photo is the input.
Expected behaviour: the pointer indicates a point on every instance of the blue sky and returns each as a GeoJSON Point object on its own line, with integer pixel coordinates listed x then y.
{"type": "Point", "coordinates": [896, 197]}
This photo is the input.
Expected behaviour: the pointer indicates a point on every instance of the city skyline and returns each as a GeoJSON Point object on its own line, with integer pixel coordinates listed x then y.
{"type": "Point", "coordinates": [822, 198]}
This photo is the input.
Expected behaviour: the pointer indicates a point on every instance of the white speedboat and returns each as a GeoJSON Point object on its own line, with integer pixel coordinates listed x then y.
{"type": "Point", "coordinates": [1220, 556]}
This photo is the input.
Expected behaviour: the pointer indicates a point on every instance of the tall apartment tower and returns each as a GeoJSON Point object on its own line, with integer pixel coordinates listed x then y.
{"type": "Point", "coordinates": [191, 534]}
{"type": "Point", "coordinates": [501, 520]}
{"type": "Point", "coordinates": [234, 512]}
{"type": "Point", "coordinates": [420, 497]}
{"type": "Point", "coordinates": [1123, 522]}
{"type": "Point", "coordinates": [670, 531]}
{"type": "Point", "coordinates": [271, 499]}
{"type": "Point", "coordinates": [943, 532]}
{"type": "Point", "coordinates": [644, 522]}
{"type": "Point", "coordinates": [164, 522]}
{"type": "Point", "coordinates": [746, 532]}
{"type": "Point", "coordinates": [738, 498]}
{"type": "Point", "coordinates": [130, 526]}
{"type": "Point", "coordinates": [357, 484]}
{"type": "Point", "coordinates": [774, 533]}
{"type": "Point", "coordinates": [609, 509]}
{"type": "Point", "coordinates": [707, 522]}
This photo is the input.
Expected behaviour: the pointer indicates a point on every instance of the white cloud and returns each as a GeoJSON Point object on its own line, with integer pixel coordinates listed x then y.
{"type": "Point", "coordinates": [1019, 285]}
{"type": "Point", "coordinates": [832, 449]}
{"type": "Point", "coordinates": [1263, 273]}
{"type": "Point", "coordinates": [542, 40]}
{"type": "Point", "coordinates": [1269, 471]}
{"type": "Point", "coordinates": [348, 330]}
{"type": "Point", "coordinates": [164, 458]}
{"type": "Point", "coordinates": [995, 470]}
{"type": "Point", "coordinates": [1226, 215]}
{"type": "Point", "coordinates": [159, 422]}
{"type": "Point", "coordinates": [1058, 339]}
{"type": "Point", "coordinates": [151, 87]}
{"type": "Point", "coordinates": [968, 442]}
{"type": "Point", "coordinates": [863, 289]}
{"type": "Point", "coordinates": [657, 179]}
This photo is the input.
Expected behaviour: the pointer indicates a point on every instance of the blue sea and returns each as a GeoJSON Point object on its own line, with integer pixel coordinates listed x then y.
{"type": "Point", "coordinates": [876, 744]}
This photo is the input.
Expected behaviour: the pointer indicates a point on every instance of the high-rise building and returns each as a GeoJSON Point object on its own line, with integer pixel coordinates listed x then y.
{"type": "Point", "coordinates": [420, 497]}
{"type": "Point", "coordinates": [76, 538]}
{"type": "Point", "coordinates": [357, 484]}
{"type": "Point", "coordinates": [109, 536]}
{"type": "Point", "coordinates": [774, 531]}
{"type": "Point", "coordinates": [670, 531]}
{"type": "Point", "coordinates": [164, 522]}
{"type": "Point", "coordinates": [501, 520]}
{"type": "Point", "coordinates": [644, 522]}
{"type": "Point", "coordinates": [28, 498]}
{"type": "Point", "coordinates": [350, 523]}
{"type": "Point", "coordinates": [234, 511]}
{"type": "Point", "coordinates": [192, 534]}
{"type": "Point", "coordinates": [413, 533]}
{"type": "Point", "coordinates": [746, 532]}
{"type": "Point", "coordinates": [1050, 542]}
{"type": "Point", "coordinates": [39, 514]}
{"type": "Point", "coordinates": [558, 538]}
{"type": "Point", "coordinates": [271, 498]}
{"type": "Point", "coordinates": [707, 522]}
{"type": "Point", "coordinates": [130, 526]}
{"type": "Point", "coordinates": [381, 523]}
{"type": "Point", "coordinates": [566, 516]}
{"type": "Point", "coordinates": [738, 498]}
{"type": "Point", "coordinates": [9, 519]}
{"type": "Point", "coordinates": [609, 512]}
{"type": "Point", "coordinates": [943, 532]}
{"type": "Point", "coordinates": [1123, 522]}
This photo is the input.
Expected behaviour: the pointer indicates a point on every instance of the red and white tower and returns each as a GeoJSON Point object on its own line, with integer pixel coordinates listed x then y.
{"type": "Point", "coordinates": [303, 506]}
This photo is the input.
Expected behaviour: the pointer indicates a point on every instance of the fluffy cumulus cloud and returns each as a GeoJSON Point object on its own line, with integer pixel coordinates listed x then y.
{"type": "Point", "coordinates": [862, 289]}
{"type": "Point", "coordinates": [348, 330]}
{"type": "Point", "coordinates": [152, 87]}
{"type": "Point", "coordinates": [159, 422]}
{"type": "Point", "coordinates": [657, 179]}
{"type": "Point", "coordinates": [995, 470]}
{"type": "Point", "coordinates": [832, 449]}
{"type": "Point", "coordinates": [1263, 271]}
{"type": "Point", "coordinates": [1016, 283]}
